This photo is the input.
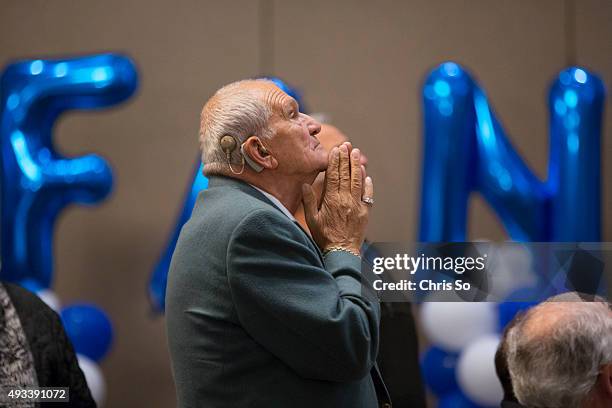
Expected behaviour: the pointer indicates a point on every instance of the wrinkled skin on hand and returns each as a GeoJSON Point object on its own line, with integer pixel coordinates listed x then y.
{"type": "Point", "coordinates": [341, 217]}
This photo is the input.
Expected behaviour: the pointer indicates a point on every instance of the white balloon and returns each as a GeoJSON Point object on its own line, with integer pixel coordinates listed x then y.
{"type": "Point", "coordinates": [50, 298]}
{"type": "Point", "coordinates": [454, 325]}
{"type": "Point", "coordinates": [476, 372]}
{"type": "Point", "coordinates": [94, 377]}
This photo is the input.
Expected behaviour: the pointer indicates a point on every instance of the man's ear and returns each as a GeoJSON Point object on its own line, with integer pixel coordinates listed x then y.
{"type": "Point", "coordinates": [257, 152]}
{"type": "Point", "coordinates": [605, 380]}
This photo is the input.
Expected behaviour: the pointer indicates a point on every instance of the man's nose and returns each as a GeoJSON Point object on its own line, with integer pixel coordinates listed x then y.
{"type": "Point", "coordinates": [314, 127]}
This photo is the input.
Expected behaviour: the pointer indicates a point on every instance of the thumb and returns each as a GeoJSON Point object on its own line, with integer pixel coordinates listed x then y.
{"type": "Point", "coordinates": [310, 203]}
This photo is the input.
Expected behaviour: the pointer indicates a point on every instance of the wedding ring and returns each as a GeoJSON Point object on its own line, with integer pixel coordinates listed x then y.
{"type": "Point", "coordinates": [368, 200]}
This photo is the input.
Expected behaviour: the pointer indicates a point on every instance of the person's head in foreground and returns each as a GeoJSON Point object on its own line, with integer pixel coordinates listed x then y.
{"type": "Point", "coordinates": [560, 354]}
{"type": "Point", "coordinates": [255, 121]}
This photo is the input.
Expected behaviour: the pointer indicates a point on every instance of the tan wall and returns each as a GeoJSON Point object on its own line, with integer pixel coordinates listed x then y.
{"type": "Point", "coordinates": [362, 62]}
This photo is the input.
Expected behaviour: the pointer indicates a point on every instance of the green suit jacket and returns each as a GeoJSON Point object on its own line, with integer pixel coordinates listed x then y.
{"type": "Point", "coordinates": [256, 317]}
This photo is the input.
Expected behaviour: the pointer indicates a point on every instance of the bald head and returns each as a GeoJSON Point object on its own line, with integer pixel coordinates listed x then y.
{"type": "Point", "coordinates": [240, 109]}
{"type": "Point", "coordinates": [552, 316]}
{"type": "Point", "coordinates": [556, 352]}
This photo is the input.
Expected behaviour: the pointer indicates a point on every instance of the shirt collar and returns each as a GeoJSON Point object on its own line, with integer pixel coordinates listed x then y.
{"type": "Point", "coordinates": [276, 202]}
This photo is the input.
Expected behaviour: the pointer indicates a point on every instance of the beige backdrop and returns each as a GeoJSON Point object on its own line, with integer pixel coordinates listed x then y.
{"type": "Point", "coordinates": [362, 62]}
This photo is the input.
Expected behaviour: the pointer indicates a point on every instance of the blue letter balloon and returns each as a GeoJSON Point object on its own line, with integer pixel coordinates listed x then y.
{"type": "Point", "coordinates": [467, 150]}
{"type": "Point", "coordinates": [37, 182]}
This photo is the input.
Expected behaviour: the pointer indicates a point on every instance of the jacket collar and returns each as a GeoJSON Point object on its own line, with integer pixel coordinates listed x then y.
{"type": "Point", "coordinates": [224, 181]}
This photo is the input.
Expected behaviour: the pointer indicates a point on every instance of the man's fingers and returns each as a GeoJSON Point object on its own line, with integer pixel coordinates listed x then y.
{"type": "Point", "coordinates": [323, 190]}
{"type": "Point", "coordinates": [332, 182]}
{"type": "Point", "coordinates": [368, 191]}
{"type": "Point", "coordinates": [356, 178]}
{"type": "Point", "coordinates": [363, 176]}
{"type": "Point", "coordinates": [310, 203]}
{"type": "Point", "coordinates": [344, 170]}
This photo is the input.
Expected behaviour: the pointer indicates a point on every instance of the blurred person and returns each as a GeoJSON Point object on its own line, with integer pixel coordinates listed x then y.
{"type": "Point", "coordinates": [560, 354]}
{"type": "Point", "coordinates": [398, 355]}
{"type": "Point", "coordinates": [259, 313]}
{"type": "Point", "coordinates": [35, 350]}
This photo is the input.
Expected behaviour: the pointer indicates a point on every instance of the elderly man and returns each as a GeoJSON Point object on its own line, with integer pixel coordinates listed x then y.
{"type": "Point", "coordinates": [560, 354]}
{"type": "Point", "coordinates": [257, 315]}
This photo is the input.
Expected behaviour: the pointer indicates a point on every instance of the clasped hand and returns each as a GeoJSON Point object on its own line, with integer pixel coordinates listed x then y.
{"type": "Point", "coordinates": [340, 217]}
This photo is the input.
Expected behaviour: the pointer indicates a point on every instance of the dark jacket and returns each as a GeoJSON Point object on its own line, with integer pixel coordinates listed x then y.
{"type": "Point", "coordinates": [257, 318]}
{"type": "Point", "coordinates": [55, 361]}
{"type": "Point", "coordinates": [398, 356]}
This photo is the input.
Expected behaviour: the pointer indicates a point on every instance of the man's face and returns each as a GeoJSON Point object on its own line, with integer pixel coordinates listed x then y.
{"type": "Point", "coordinates": [293, 143]}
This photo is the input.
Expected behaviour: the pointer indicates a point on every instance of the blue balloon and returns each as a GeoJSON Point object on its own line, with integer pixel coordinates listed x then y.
{"type": "Point", "coordinates": [449, 154]}
{"type": "Point", "coordinates": [466, 150]}
{"type": "Point", "coordinates": [38, 182]}
{"type": "Point", "coordinates": [456, 400]}
{"type": "Point", "coordinates": [89, 330]}
{"type": "Point", "coordinates": [438, 368]}
{"type": "Point", "coordinates": [576, 102]}
{"type": "Point", "coordinates": [159, 277]}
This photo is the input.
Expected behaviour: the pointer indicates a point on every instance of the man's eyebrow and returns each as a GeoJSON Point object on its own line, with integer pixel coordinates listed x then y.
{"type": "Point", "coordinates": [289, 103]}
{"type": "Point", "coordinates": [294, 104]}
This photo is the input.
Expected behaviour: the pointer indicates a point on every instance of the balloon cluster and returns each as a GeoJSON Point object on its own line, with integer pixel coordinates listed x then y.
{"type": "Point", "coordinates": [459, 366]}
{"type": "Point", "coordinates": [38, 182]}
{"type": "Point", "coordinates": [465, 151]}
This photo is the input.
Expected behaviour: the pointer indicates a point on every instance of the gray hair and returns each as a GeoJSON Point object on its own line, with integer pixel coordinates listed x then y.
{"type": "Point", "coordinates": [236, 110]}
{"type": "Point", "coordinates": [558, 367]}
